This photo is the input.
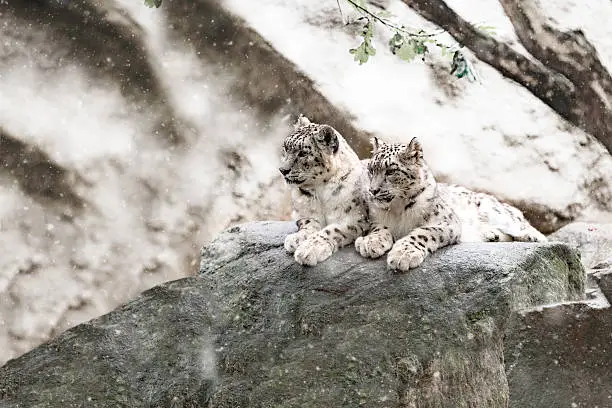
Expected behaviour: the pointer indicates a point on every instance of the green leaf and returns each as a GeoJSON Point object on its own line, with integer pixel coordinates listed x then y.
{"type": "Point", "coordinates": [407, 51]}
{"type": "Point", "coordinates": [370, 48]}
{"type": "Point", "coordinates": [396, 42]}
{"type": "Point", "coordinates": [365, 50]}
{"type": "Point", "coordinates": [419, 46]}
{"type": "Point", "coordinates": [152, 3]}
{"type": "Point", "coordinates": [461, 67]}
{"type": "Point", "coordinates": [444, 49]}
{"type": "Point", "coordinates": [360, 54]}
{"type": "Point", "coordinates": [368, 31]}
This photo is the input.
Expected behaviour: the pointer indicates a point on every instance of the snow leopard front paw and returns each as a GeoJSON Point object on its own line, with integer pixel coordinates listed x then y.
{"type": "Point", "coordinates": [313, 250]}
{"type": "Point", "coordinates": [373, 245]}
{"type": "Point", "coordinates": [531, 235]}
{"type": "Point", "coordinates": [294, 240]}
{"type": "Point", "coordinates": [404, 257]}
{"type": "Point", "coordinates": [492, 235]}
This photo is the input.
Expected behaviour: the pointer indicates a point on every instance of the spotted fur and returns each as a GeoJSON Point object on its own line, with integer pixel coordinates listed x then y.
{"type": "Point", "coordinates": [327, 182]}
{"type": "Point", "coordinates": [412, 215]}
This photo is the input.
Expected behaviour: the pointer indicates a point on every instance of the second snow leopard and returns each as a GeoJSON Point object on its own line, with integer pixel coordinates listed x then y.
{"type": "Point", "coordinates": [413, 216]}
{"type": "Point", "coordinates": [327, 182]}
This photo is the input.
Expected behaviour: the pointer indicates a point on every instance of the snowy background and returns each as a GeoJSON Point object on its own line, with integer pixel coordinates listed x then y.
{"type": "Point", "coordinates": [126, 145]}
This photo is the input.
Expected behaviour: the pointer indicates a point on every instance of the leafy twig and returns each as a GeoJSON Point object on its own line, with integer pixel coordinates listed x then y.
{"type": "Point", "coordinates": [407, 44]}
{"type": "Point", "coordinates": [387, 23]}
{"type": "Point", "coordinates": [365, 49]}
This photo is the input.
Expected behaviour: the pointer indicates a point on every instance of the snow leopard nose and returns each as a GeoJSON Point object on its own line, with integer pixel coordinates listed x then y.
{"type": "Point", "coordinates": [284, 171]}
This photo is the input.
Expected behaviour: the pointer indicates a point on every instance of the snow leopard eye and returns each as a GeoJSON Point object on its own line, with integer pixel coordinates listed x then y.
{"type": "Point", "coordinates": [301, 153]}
{"type": "Point", "coordinates": [390, 172]}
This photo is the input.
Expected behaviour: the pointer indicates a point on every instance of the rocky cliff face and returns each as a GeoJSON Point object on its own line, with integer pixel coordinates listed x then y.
{"type": "Point", "coordinates": [125, 144]}
{"type": "Point", "coordinates": [130, 136]}
{"type": "Point", "coordinates": [495, 137]}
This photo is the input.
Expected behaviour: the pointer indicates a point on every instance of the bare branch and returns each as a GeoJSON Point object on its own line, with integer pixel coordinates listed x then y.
{"type": "Point", "coordinates": [553, 87]}
{"type": "Point", "coordinates": [568, 53]}
{"type": "Point", "coordinates": [572, 55]}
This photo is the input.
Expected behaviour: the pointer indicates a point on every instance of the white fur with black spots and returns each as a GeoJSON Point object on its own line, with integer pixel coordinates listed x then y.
{"type": "Point", "coordinates": [327, 182]}
{"type": "Point", "coordinates": [412, 215]}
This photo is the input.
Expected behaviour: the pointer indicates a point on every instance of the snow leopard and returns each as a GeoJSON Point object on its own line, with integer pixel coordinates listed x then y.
{"type": "Point", "coordinates": [412, 215]}
{"type": "Point", "coordinates": [327, 181]}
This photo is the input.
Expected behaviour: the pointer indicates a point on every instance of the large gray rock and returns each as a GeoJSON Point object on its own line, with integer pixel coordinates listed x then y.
{"type": "Point", "coordinates": [346, 333]}
{"type": "Point", "coordinates": [593, 240]}
{"type": "Point", "coordinates": [349, 332]}
{"type": "Point", "coordinates": [560, 357]}
{"type": "Point", "coordinates": [156, 351]}
{"type": "Point", "coordinates": [567, 347]}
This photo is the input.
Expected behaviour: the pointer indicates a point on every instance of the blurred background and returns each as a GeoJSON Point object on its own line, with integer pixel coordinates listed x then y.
{"type": "Point", "coordinates": [130, 136]}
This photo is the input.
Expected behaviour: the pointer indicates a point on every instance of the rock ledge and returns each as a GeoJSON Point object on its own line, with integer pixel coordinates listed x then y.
{"type": "Point", "coordinates": [255, 329]}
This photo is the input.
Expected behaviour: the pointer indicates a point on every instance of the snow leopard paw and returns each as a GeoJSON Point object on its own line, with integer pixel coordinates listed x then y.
{"type": "Point", "coordinates": [492, 235]}
{"type": "Point", "coordinates": [294, 240]}
{"type": "Point", "coordinates": [313, 250]}
{"type": "Point", "coordinates": [374, 245]}
{"type": "Point", "coordinates": [530, 235]}
{"type": "Point", "coordinates": [404, 257]}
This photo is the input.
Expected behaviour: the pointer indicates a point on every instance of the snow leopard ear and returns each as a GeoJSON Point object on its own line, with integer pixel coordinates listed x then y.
{"type": "Point", "coordinates": [327, 139]}
{"type": "Point", "coordinates": [376, 143]}
{"type": "Point", "coordinates": [414, 151]}
{"type": "Point", "coordinates": [301, 121]}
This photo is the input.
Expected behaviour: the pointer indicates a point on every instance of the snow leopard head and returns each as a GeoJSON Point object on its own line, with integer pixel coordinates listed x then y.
{"type": "Point", "coordinates": [308, 153]}
{"type": "Point", "coordinates": [396, 170]}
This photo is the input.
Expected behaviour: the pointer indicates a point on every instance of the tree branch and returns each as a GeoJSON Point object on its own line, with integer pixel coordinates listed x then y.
{"type": "Point", "coordinates": [554, 88]}
{"type": "Point", "coordinates": [572, 55]}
